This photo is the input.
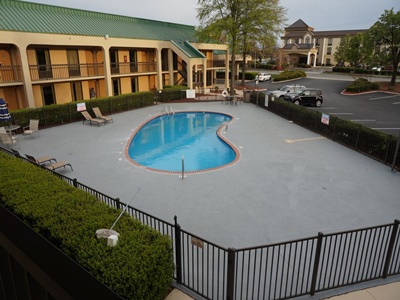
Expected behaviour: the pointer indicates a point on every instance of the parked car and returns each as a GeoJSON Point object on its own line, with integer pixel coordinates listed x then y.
{"type": "Point", "coordinates": [263, 77]}
{"type": "Point", "coordinates": [280, 93]}
{"type": "Point", "coordinates": [377, 69]}
{"type": "Point", "coordinates": [308, 96]}
{"type": "Point", "coordinates": [290, 96]}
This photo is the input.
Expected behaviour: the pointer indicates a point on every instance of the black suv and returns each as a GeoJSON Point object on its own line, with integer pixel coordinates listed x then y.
{"type": "Point", "coordinates": [307, 97]}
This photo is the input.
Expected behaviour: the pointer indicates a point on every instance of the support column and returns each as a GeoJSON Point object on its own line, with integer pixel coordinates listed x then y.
{"type": "Point", "coordinates": [323, 51]}
{"type": "Point", "coordinates": [107, 71]}
{"type": "Point", "coordinates": [308, 57]}
{"type": "Point", "coordinates": [189, 70]}
{"type": "Point", "coordinates": [171, 67]}
{"type": "Point", "coordinates": [159, 69]}
{"type": "Point", "coordinates": [26, 77]}
{"type": "Point", "coordinates": [204, 73]}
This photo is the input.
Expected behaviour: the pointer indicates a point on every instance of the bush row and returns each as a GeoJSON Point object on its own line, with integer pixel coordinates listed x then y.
{"type": "Point", "coordinates": [140, 266]}
{"type": "Point", "coordinates": [362, 85]}
{"type": "Point", "coordinates": [362, 71]}
{"type": "Point", "coordinates": [57, 114]}
{"type": "Point", "coordinates": [287, 75]}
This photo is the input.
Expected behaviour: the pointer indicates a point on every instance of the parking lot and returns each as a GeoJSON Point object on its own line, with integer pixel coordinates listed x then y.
{"type": "Point", "coordinates": [377, 110]}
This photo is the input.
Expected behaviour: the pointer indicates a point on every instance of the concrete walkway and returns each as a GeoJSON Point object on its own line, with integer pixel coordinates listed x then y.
{"type": "Point", "coordinates": [277, 191]}
{"type": "Point", "coordinates": [389, 291]}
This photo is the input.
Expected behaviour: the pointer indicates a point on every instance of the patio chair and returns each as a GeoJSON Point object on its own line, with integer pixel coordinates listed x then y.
{"type": "Point", "coordinates": [3, 130]}
{"type": "Point", "coordinates": [99, 115]}
{"type": "Point", "coordinates": [8, 140]}
{"type": "Point", "coordinates": [32, 128]}
{"type": "Point", "coordinates": [52, 166]}
{"type": "Point", "coordinates": [40, 160]}
{"type": "Point", "coordinates": [88, 118]}
{"type": "Point", "coordinates": [240, 95]}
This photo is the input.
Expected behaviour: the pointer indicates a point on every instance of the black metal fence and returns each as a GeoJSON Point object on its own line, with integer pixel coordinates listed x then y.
{"type": "Point", "coordinates": [277, 271]}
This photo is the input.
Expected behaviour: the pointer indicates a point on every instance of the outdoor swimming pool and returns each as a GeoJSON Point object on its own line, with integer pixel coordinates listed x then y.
{"type": "Point", "coordinates": [160, 143]}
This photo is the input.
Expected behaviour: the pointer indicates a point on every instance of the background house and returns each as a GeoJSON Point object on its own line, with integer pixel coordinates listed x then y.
{"type": "Point", "coordinates": [302, 45]}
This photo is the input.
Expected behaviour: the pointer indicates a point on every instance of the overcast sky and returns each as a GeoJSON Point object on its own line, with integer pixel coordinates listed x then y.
{"type": "Point", "coordinates": [320, 14]}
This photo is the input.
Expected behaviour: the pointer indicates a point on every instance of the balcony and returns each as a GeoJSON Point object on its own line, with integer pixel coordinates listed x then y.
{"type": "Point", "coordinates": [133, 67]}
{"type": "Point", "coordinates": [65, 71]}
{"type": "Point", "coordinates": [10, 74]}
{"type": "Point", "coordinates": [216, 63]}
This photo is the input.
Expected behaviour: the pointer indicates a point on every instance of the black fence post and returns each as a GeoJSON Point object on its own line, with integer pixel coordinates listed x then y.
{"type": "Point", "coordinates": [230, 281]}
{"type": "Point", "coordinates": [118, 203]}
{"type": "Point", "coordinates": [390, 248]}
{"type": "Point", "coordinates": [75, 182]}
{"type": "Point", "coordinates": [178, 255]}
{"type": "Point", "coordinates": [316, 263]}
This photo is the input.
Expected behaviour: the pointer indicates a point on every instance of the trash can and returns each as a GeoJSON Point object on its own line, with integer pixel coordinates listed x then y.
{"type": "Point", "coordinates": [246, 95]}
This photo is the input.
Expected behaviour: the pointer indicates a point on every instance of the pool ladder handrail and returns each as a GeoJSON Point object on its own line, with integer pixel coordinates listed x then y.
{"type": "Point", "coordinates": [168, 111]}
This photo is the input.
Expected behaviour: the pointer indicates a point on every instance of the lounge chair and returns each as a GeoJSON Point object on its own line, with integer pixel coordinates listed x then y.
{"type": "Point", "coordinates": [99, 115]}
{"type": "Point", "coordinates": [32, 128]}
{"type": "Point", "coordinates": [52, 166]}
{"type": "Point", "coordinates": [88, 118]}
{"type": "Point", "coordinates": [8, 140]}
{"type": "Point", "coordinates": [39, 160]}
{"type": "Point", "coordinates": [58, 165]}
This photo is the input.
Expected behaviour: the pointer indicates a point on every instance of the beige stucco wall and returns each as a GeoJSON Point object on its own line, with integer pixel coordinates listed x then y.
{"type": "Point", "coordinates": [63, 92]}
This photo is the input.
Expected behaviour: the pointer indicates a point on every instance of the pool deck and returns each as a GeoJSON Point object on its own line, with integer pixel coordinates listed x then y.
{"type": "Point", "coordinates": [289, 182]}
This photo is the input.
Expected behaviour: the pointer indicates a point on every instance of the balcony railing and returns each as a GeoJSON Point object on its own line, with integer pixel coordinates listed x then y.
{"type": "Point", "coordinates": [65, 71]}
{"type": "Point", "coordinates": [216, 63]}
{"type": "Point", "coordinates": [133, 67]}
{"type": "Point", "coordinates": [10, 74]}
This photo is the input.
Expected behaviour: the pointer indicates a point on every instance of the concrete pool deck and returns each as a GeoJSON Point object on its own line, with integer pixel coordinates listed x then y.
{"type": "Point", "coordinates": [289, 182]}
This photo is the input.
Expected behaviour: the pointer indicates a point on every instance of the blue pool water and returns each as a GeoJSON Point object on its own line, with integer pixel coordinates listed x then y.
{"type": "Point", "coordinates": [161, 143]}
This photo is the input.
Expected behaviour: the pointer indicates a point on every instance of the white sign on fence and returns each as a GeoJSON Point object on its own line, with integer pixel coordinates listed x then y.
{"type": "Point", "coordinates": [325, 119]}
{"type": "Point", "coordinates": [190, 94]}
{"type": "Point", "coordinates": [81, 106]}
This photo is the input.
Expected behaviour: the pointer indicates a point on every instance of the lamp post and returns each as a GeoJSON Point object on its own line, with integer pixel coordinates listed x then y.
{"type": "Point", "coordinates": [256, 92]}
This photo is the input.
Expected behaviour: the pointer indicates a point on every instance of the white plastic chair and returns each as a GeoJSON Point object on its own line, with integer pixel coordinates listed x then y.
{"type": "Point", "coordinates": [32, 128]}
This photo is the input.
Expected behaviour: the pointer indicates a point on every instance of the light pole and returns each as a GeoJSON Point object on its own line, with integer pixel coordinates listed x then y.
{"type": "Point", "coordinates": [256, 92]}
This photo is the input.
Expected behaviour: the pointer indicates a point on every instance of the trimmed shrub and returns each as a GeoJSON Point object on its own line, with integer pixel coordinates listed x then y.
{"type": "Point", "coordinates": [362, 85]}
{"type": "Point", "coordinates": [287, 75]}
{"type": "Point", "coordinates": [140, 266]}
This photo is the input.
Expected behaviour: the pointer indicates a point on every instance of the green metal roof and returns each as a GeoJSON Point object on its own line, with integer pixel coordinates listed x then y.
{"type": "Point", "coordinates": [41, 18]}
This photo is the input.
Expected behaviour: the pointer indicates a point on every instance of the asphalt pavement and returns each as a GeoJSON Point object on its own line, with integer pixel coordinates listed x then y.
{"type": "Point", "coordinates": [377, 110]}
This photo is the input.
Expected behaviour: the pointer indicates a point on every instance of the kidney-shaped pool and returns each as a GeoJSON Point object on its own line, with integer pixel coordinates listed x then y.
{"type": "Point", "coordinates": [161, 143]}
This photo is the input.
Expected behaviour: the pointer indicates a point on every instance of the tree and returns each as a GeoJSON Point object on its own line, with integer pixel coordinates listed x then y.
{"type": "Point", "coordinates": [356, 49]}
{"type": "Point", "coordinates": [386, 35]}
{"type": "Point", "coordinates": [239, 23]}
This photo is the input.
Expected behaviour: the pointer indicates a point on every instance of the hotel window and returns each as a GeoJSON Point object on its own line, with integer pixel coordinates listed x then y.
{"type": "Point", "coordinates": [316, 42]}
{"type": "Point", "coordinates": [307, 40]}
{"type": "Point", "coordinates": [329, 50]}
{"type": "Point", "coordinates": [328, 61]}
{"type": "Point", "coordinates": [48, 94]}
{"type": "Point", "coordinates": [330, 41]}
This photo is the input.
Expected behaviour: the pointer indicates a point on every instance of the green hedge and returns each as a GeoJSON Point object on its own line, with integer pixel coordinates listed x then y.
{"type": "Point", "coordinates": [140, 266]}
{"type": "Point", "coordinates": [57, 114]}
{"type": "Point", "coordinates": [362, 85]}
{"type": "Point", "coordinates": [362, 71]}
{"type": "Point", "coordinates": [287, 75]}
